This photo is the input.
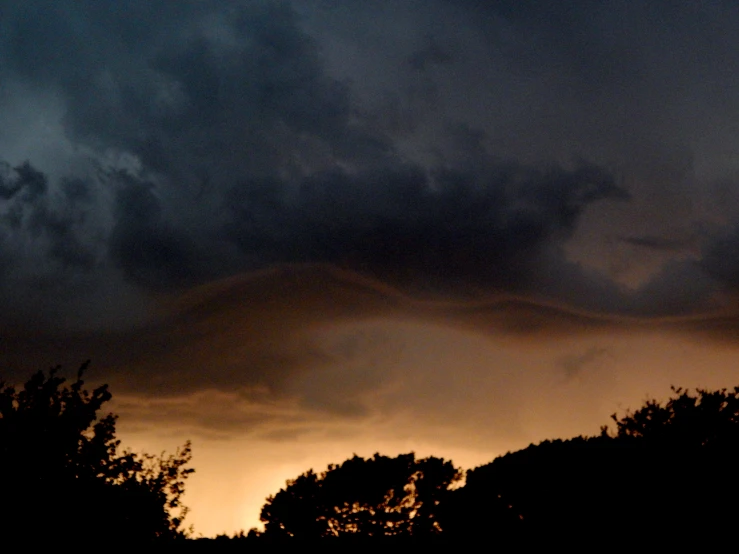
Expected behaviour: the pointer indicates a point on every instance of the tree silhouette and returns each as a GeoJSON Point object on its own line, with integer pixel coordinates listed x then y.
{"type": "Point", "coordinates": [65, 477]}
{"type": "Point", "coordinates": [706, 418]}
{"type": "Point", "coordinates": [666, 466]}
{"type": "Point", "coordinates": [376, 497]}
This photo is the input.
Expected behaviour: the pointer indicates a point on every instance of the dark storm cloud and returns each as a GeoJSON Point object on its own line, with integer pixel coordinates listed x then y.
{"type": "Point", "coordinates": [244, 151]}
{"type": "Point", "coordinates": [430, 54]}
{"type": "Point", "coordinates": [10, 184]}
{"type": "Point", "coordinates": [148, 251]}
{"type": "Point", "coordinates": [448, 231]}
{"type": "Point", "coordinates": [50, 222]}
{"type": "Point", "coordinates": [720, 258]}
{"type": "Point", "coordinates": [574, 365]}
{"type": "Point", "coordinates": [656, 243]}
{"type": "Point", "coordinates": [192, 97]}
{"type": "Point", "coordinates": [431, 148]}
{"type": "Point", "coordinates": [195, 89]}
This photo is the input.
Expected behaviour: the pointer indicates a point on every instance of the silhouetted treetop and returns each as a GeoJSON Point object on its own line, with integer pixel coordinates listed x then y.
{"type": "Point", "coordinates": [700, 419]}
{"type": "Point", "coordinates": [668, 465]}
{"type": "Point", "coordinates": [65, 477]}
{"type": "Point", "coordinates": [379, 496]}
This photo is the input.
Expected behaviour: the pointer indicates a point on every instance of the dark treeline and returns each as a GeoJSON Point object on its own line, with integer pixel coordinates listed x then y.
{"type": "Point", "coordinates": [663, 470]}
{"type": "Point", "coordinates": [667, 466]}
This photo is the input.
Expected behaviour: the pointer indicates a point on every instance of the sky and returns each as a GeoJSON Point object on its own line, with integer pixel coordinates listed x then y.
{"type": "Point", "coordinates": [292, 231]}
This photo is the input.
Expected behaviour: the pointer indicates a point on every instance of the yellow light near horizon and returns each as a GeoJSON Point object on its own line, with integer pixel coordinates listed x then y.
{"type": "Point", "coordinates": [444, 392]}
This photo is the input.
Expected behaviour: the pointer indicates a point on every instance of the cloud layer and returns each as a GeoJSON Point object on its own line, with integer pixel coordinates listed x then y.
{"type": "Point", "coordinates": [150, 150]}
{"type": "Point", "coordinates": [278, 166]}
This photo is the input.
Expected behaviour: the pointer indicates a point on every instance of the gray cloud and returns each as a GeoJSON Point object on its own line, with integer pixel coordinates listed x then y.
{"type": "Point", "coordinates": [719, 258]}
{"type": "Point", "coordinates": [657, 243]}
{"type": "Point", "coordinates": [147, 249]}
{"type": "Point", "coordinates": [574, 365]}
{"type": "Point", "coordinates": [428, 148]}
{"type": "Point", "coordinates": [452, 230]}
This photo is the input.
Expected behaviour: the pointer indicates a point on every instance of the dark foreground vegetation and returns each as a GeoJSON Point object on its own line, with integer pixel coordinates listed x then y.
{"type": "Point", "coordinates": [65, 479]}
{"type": "Point", "coordinates": [664, 468]}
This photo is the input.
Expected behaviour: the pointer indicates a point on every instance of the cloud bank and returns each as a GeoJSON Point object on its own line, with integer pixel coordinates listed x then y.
{"type": "Point", "coordinates": [278, 166]}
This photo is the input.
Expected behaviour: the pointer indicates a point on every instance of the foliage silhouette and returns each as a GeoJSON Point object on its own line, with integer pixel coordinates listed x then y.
{"type": "Point", "coordinates": [376, 497]}
{"type": "Point", "coordinates": [65, 478]}
{"type": "Point", "coordinates": [707, 418]}
{"type": "Point", "coordinates": [666, 466]}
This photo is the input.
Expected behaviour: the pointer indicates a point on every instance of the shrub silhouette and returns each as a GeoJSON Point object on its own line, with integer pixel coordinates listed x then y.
{"type": "Point", "coordinates": [65, 478]}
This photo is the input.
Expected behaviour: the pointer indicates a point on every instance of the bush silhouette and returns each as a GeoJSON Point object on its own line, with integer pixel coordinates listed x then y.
{"type": "Point", "coordinates": [65, 478]}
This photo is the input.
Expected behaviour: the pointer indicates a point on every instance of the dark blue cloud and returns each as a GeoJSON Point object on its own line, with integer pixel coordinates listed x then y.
{"type": "Point", "coordinates": [428, 148]}
{"type": "Point", "coordinates": [449, 230]}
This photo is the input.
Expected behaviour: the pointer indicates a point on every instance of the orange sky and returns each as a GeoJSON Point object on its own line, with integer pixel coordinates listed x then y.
{"type": "Point", "coordinates": [276, 372]}
{"type": "Point", "coordinates": [373, 376]}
